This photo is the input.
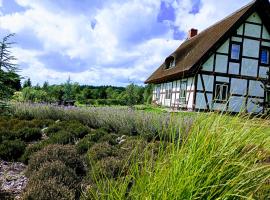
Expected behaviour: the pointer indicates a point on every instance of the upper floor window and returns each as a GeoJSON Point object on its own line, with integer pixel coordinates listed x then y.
{"type": "Point", "coordinates": [170, 62]}
{"type": "Point", "coordinates": [264, 56]}
{"type": "Point", "coordinates": [235, 51]}
{"type": "Point", "coordinates": [221, 92]}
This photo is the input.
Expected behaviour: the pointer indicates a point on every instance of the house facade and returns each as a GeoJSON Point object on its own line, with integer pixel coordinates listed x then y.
{"type": "Point", "coordinates": [224, 68]}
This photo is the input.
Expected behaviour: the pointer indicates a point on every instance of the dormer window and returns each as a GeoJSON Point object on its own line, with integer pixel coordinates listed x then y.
{"type": "Point", "coordinates": [170, 62]}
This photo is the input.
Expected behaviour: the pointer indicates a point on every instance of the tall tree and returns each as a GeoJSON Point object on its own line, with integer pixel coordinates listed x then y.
{"type": "Point", "coordinates": [8, 68]}
{"type": "Point", "coordinates": [27, 83]}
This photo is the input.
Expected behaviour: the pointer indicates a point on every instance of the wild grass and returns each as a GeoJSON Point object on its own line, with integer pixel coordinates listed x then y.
{"type": "Point", "coordinates": [222, 157]}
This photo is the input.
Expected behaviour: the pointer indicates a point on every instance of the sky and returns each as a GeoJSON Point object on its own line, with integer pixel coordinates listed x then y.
{"type": "Point", "coordinates": [102, 42]}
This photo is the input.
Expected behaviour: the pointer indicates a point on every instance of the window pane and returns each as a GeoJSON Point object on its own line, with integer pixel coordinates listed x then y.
{"type": "Point", "coordinates": [217, 92]}
{"type": "Point", "coordinates": [265, 56]}
{"type": "Point", "coordinates": [235, 51]}
{"type": "Point", "coordinates": [224, 92]}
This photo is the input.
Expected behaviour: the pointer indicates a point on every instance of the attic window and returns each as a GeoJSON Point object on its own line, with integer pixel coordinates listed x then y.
{"type": "Point", "coordinates": [170, 62]}
{"type": "Point", "coordinates": [235, 51]}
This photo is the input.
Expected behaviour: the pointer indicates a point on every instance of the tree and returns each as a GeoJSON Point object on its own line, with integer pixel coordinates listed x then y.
{"type": "Point", "coordinates": [68, 90]}
{"type": "Point", "coordinates": [27, 83]}
{"type": "Point", "coordinates": [8, 68]}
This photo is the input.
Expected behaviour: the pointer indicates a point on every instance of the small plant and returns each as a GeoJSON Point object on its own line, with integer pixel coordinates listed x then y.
{"type": "Point", "coordinates": [64, 153]}
{"type": "Point", "coordinates": [58, 171]}
{"type": "Point", "coordinates": [48, 189]}
{"type": "Point", "coordinates": [84, 144]}
{"type": "Point", "coordinates": [11, 149]}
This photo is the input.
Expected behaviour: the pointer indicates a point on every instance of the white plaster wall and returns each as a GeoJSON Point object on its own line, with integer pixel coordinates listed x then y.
{"type": "Point", "coordinates": [252, 105]}
{"type": "Point", "coordinates": [224, 48]}
{"type": "Point", "coordinates": [255, 89]}
{"type": "Point", "coordinates": [209, 99]}
{"type": "Point", "coordinates": [200, 101]}
{"type": "Point", "coordinates": [222, 79]}
{"type": "Point", "coordinates": [190, 83]}
{"type": "Point", "coordinates": [253, 30]}
{"type": "Point", "coordinates": [263, 72]}
{"type": "Point", "coordinates": [208, 65]}
{"type": "Point", "coordinates": [236, 39]}
{"type": "Point", "coordinates": [265, 34]}
{"type": "Point", "coordinates": [238, 86]}
{"type": "Point", "coordinates": [254, 18]}
{"type": "Point", "coordinates": [266, 44]}
{"type": "Point", "coordinates": [219, 106]}
{"type": "Point", "coordinates": [234, 68]}
{"type": "Point", "coordinates": [240, 30]}
{"type": "Point", "coordinates": [236, 104]}
{"type": "Point", "coordinates": [251, 48]}
{"type": "Point", "coordinates": [208, 82]}
{"type": "Point", "coordinates": [221, 63]}
{"type": "Point", "coordinates": [249, 67]}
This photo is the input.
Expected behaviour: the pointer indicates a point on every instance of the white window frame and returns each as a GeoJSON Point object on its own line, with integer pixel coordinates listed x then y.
{"type": "Point", "coordinates": [183, 92]}
{"type": "Point", "coordinates": [219, 98]}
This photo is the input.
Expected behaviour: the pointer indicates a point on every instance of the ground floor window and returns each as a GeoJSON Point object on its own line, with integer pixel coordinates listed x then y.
{"type": "Point", "coordinates": [157, 92]}
{"type": "Point", "coordinates": [183, 91]}
{"type": "Point", "coordinates": [221, 92]}
{"type": "Point", "coordinates": [168, 91]}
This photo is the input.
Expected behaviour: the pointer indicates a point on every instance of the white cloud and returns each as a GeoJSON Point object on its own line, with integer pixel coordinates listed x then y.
{"type": "Point", "coordinates": [110, 50]}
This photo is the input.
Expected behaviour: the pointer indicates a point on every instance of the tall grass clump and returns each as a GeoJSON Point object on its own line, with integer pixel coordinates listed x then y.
{"type": "Point", "coordinates": [222, 157]}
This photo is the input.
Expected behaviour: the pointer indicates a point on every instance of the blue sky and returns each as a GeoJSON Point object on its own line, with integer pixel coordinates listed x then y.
{"type": "Point", "coordinates": [102, 42]}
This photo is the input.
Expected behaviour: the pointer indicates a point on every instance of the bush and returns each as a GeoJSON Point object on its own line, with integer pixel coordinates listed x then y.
{"type": "Point", "coordinates": [110, 138]}
{"type": "Point", "coordinates": [101, 150]}
{"type": "Point", "coordinates": [53, 129]}
{"type": "Point", "coordinates": [64, 153]}
{"type": "Point", "coordinates": [11, 149]}
{"type": "Point", "coordinates": [29, 134]}
{"type": "Point", "coordinates": [97, 134]}
{"type": "Point", "coordinates": [84, 144]}
{"type": "Point", "coordinates": [30, 150]}
{"type": "Point", "coordinates": [48, 190]}
{"type": "Point", "coordinates": [58, 171]}
{"type": "Point", "coordinates": [62, 137]}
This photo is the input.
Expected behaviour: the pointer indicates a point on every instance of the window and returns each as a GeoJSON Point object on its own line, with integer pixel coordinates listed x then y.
{"type": "Point", "coordinates": [183, 91]}
{"type": "Point", "coordinates": [264, 56]}
{"type": "Point", "coordinates": [170, 62]}
{"type": "Point", "coordinates": [168, 91]}
{"type": "Point", "coordinates": [221, 92]}
{"type": "Point", "coordinates": [235, 51]}
{"type": "Point", "coordinates": [158, 92]}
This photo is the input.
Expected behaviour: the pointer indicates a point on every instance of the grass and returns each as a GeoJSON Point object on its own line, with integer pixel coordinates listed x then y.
{"type": "Point", "coordinates": [223, 157]}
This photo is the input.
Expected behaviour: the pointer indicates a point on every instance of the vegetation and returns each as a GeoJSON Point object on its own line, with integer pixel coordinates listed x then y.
{"type": "Point", "coordinates": [123, 153]}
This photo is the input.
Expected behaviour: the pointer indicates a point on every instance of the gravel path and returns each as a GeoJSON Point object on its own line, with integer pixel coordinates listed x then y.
{"type": "Point", "coordinates": [12, 178]}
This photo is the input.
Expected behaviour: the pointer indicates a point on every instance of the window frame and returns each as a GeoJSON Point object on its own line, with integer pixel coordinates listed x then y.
{"type": "Point", "coordinates": [168, 91]}
{"type": "Point", "coordinates": [158, 89]}
{"type": "Point", "coordinates": [240, 52]}
{"type": "Point", "coordinates": [170, 62]}
{"type": "Point", "coordinates": [222, 84]}
{"type": "Point", "coordinates": [183, 99]}
{"type": "Point", "coordinates": [260, 57]}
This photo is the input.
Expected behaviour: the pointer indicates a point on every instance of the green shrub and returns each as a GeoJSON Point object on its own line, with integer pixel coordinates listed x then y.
{"type": "Point", "coordinates": [97, 134]}
{"type": "Point", "coordinates": [84, 144]}
{"type": "Point", "coordinates": [77, 129]}
{"type": "Point", "coordinates": [101, 150]}
{"type": "Point", "coordinates": [58, 171]}
{"type": "Point", "coordinates": [29, 134]}
{"type": "Point", "coordinates": [30, 150]}
{"type": "Point", "coordinates": [110, 138]}
{"type": "Point", "coordinates": [62, 137]}
{"type": "Point", "coordinates": [11, 149]}
{"type": "Point", "coordinates": [52, 129]}
{"type": "Point", "coordinates": [64, 153]}
{"type": "Point", "coordinates": [48, 190]}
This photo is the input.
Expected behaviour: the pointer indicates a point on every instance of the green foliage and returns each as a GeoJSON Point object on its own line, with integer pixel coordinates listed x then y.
{"type": "Point", "coordinates": [47, 190]}
{"type": "Point", "coordinates": [58, 171]}
{"type": "Point", "coordinates": [11, 149]}
{"type": "Point", "coordinates": [84, 144]}
{"type": "Point", "coordinates": [29, 134]}
{"type": "Point", "coordinates": [64, 153]}
{"type": "Point", "coordinates": [101, 150]}
{"type": "Point", "coordinates": [30, 150]}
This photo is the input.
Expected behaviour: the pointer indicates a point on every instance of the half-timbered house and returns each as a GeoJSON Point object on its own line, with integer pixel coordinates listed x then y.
{"type": "Point", "coordinates": [225, 67]}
